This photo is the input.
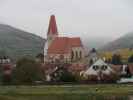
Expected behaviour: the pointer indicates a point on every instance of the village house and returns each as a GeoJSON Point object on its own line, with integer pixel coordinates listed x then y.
{"type": "Point", "coordinates": [70, 51]}
{"type": "Point", "coordinates": [4, 60]}
{"type": "Point", "coordinates": [6, 67]}
{"type": "Point", "coordinates": [99, 71]}
{"type": "Point", "coordinates": [57, 47]}
{"type": "Point", "coordinates": [63, 49]}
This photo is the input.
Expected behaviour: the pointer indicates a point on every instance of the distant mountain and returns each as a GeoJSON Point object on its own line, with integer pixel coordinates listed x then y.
{"type": "Point", "coordinates": [125, 41]}
{"type": "Point", "coordinates": [16, 43]}
{"type": "Point", "coordinates": [95, 42]}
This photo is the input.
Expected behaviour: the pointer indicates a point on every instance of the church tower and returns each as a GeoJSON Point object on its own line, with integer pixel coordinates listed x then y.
{"type": "Point", "coordinates": [52, 30]}
{"type": "Point", "coordinates": [51, 34]}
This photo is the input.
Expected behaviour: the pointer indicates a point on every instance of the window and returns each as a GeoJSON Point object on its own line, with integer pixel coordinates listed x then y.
{"type": "Point", "coordinates": [72, 55]}
{"type": "Point", "coordinates": [95, 67]}
{"type": "Point", "coordinates": [80, 54]}
{"type": "Point", "coordinates": [76, 55]}
{"type": "Point", "coordinates": [104, 67]}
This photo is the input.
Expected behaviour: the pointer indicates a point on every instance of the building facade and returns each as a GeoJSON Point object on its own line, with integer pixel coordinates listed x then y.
{"type": "Point", "coordinates": [100, 71]}
{"type": "Point", "coordinates": [64, 48]}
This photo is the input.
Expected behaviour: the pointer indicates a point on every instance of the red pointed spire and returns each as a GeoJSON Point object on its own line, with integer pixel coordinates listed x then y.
{"type": "Point", "coordinates": [52, 29]}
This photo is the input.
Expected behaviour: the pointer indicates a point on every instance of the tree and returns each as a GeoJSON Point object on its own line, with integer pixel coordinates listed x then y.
{"type": "Point", "coordinates": [62, 74]}
{"type": "Point", "coordinates": [116, 59]}
{"type": "Point", "coordinates": [40, 58]}
{"type": "Point", "coordinates": [130, 59]}
{"type": "Point", "coordinates": [67, 76]}
{"type": "Point", "coordinates": [27, 71]}
{"type": "Point", "coordinates": [108, 60]}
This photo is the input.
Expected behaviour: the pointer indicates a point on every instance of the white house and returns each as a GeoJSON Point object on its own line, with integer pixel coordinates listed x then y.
{"type": "Point", "coordinates": [98, 69]}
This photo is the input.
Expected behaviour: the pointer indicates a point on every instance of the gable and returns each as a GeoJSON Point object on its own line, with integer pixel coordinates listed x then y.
{"type": "Point", "coordinates": [100, 63]}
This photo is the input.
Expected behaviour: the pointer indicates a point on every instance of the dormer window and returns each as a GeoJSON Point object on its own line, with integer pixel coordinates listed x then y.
{"type": "Point", "coordinates": [95, 67]}
{"type": "Point", "coordinates": [104, 67]}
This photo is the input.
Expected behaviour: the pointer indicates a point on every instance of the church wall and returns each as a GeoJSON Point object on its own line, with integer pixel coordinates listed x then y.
{"type": "Point", "coordinates": [76, 51]}
{"type": "Point", "coordinates": [67, 57]}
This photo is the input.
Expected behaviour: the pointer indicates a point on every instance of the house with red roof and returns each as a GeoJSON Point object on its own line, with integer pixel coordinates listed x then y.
{"type": "Point", "coordinates": [64, 48]}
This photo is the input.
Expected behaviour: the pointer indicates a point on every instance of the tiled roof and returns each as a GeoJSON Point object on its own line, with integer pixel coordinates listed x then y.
{"type": "Point", "coordinates": [52, 29]}
{"type": "Point", "coordinates": [99, 62]}
{"type": "Point", "coordinates": [75, 42]}
{"type": "Point", "coordinates": [62, 45]}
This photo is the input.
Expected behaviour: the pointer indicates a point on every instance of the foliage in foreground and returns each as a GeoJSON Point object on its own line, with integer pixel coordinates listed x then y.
{"type": "Point", "coordinates": [27, 71]}
{"type": "Point", "coordinates": [62, 74]}
{"type": "Point", "coordinates": [116, 59]}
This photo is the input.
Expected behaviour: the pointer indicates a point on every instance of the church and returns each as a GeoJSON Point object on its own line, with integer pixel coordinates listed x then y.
{"type": "Point", "coordinates": [68, 49]}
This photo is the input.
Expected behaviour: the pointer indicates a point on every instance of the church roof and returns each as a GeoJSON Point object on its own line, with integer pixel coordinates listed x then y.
{"type": "Point", "coordinates": [52, 29]}
{"type": "Point", "coordinates": [62, 45]}
{"type": "Point", "coordinates": [99, 62]}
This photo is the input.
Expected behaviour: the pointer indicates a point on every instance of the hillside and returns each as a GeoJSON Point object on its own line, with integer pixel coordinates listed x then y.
{"type": "Point", "coordinates": [123, 42]}
{"type": "Point", "coordinates": [16, 43]}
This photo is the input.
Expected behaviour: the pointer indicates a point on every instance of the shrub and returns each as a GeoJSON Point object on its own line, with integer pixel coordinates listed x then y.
{"type": "Point", "coordinates": [27, 71]}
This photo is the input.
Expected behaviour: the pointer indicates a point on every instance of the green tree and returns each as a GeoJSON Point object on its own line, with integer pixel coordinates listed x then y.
{"type": "Point", "coordinates": [62, 74]}
{"type": "Point", "coordinates": [67, 76]}
{"type": "Point", "coordinates": [27, 71]}
{"type": "Point", "coordinates": [40, 57]}
{"type": "Point", "coordinates": [130, 59]}
{"type": "Point", "coordinates": [116, 59]}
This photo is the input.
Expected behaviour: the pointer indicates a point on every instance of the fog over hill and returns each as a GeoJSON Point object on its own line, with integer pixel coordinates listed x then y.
{"type": "Point", "coordinates": [95, 42]}
{"type": "Point", "coordinates": [125, 41]}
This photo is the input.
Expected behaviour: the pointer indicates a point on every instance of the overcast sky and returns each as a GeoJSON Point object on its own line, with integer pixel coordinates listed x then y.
{"type": "Point", "coordinates": [88, 18]}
